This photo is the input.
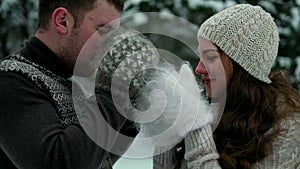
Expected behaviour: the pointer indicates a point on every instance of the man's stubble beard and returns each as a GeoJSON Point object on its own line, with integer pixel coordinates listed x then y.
{"type": "Point", "coordinates": [69, 52]}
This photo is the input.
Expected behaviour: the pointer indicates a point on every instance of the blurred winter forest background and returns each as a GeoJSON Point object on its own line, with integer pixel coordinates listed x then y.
{"type": "Point", "coordinates": [18, 20]}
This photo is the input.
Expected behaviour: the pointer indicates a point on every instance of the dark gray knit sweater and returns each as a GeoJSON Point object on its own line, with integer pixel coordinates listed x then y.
{"type": "Point", "coordinates": [38, 125]}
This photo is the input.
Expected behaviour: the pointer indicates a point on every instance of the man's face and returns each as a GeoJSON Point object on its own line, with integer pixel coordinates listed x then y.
{"type": "Point", "coordinates": [84, 40]}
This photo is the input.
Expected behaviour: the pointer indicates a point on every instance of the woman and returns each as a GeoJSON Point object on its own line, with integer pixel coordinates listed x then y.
{"type": "Point", "coordinates": [259, 127]}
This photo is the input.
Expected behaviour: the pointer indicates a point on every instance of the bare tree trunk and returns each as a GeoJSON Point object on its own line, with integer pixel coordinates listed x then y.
{"type": "Point", "coordinates": [3, 40]}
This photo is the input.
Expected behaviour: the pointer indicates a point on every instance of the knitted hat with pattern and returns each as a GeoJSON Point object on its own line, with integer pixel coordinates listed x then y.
{"type": "Point", "coordinates": [248, 35]}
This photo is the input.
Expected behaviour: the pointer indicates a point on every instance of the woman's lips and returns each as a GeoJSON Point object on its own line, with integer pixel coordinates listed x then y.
{"type": "Point", "coordinates": [206, 81]}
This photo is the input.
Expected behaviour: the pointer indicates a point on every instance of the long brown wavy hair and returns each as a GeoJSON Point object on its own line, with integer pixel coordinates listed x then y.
{"type": "Point", "coordinates": [252, 109]}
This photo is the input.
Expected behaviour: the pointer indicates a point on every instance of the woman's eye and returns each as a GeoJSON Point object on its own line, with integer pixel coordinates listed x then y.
{"type": "Point", "coordinates": [211, 58]}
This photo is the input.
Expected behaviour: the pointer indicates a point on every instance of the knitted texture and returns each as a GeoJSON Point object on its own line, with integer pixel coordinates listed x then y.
{"type": "Point", "coordinates": [201, 152]}
{"type": "Point", "coordinates": [129, 54]}
{"type": "Point", "coordinates": [248, 35]}
{"type": "Point", "coordinates": [56, 87]}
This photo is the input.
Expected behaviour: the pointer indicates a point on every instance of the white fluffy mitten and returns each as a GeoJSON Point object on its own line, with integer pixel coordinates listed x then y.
{"type": "Point", "coordinates": [195, 108]}
{"type": "Point", "coordinates": [178, 99]}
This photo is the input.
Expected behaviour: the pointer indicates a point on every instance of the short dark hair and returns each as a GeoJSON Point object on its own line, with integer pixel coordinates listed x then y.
{"type": "Point", "coordinates": [76, 7]}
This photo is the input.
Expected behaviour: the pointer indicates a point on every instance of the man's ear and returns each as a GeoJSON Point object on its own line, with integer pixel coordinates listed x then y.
{"type": "Point", "coordinates": [61, 19]}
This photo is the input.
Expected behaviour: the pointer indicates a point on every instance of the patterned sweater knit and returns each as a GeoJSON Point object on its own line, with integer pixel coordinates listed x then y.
{"type": "Point", "coordinates": [201, 152]}
{"type": "Point", "coordinates": [38, 125]}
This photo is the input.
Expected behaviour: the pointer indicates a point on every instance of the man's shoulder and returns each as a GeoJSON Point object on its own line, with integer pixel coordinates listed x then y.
{"type": "Point", "coordinates": [16, 61]}
{"type": "Point", "coordinates": [18, 64]}
{"type": "Point", "coordinates": [9, 71]}
{"type": "Point", "coordinates": [17, 70]}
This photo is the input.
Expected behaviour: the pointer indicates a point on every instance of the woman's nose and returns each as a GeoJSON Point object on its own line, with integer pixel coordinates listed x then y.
{"type": "Point", "coordinates": [200, 69]}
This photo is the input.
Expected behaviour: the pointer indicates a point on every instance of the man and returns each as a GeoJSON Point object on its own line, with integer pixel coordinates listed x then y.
{"type": "Point", "coordinates": [39, 128]}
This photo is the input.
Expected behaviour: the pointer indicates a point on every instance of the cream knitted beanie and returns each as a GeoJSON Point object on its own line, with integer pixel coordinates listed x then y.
{"type": "Point", "coordinates": [248, 35]}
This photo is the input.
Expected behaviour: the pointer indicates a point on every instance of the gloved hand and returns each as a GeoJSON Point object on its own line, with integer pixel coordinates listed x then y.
{"type": "Point", "coordinates": [196, 108]}
{"type": "Point", "coordinates": [182, 106]}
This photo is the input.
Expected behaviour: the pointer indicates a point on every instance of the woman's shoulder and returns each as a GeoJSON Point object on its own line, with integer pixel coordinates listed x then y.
{"type": "Point", "coordinates": [291, 122]}
{"type": "Point", "coordinates": [288, 138]}
{"type": "Point", "coordinates": [286, 145]}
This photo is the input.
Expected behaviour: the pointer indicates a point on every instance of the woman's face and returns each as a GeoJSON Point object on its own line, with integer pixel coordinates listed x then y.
{"type": "Point", "coordinates": [215, 67]}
